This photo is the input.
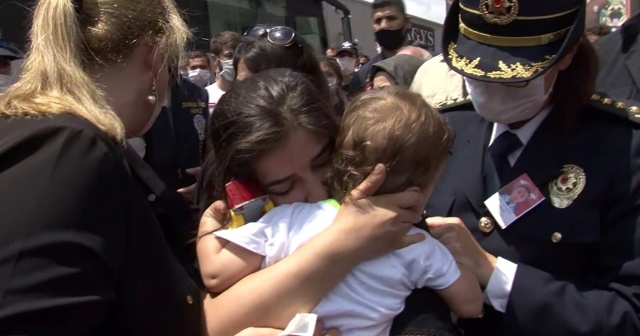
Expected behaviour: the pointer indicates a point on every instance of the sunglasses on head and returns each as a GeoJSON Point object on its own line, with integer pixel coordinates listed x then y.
{"type": "Point", "coordinates": [282, 36]}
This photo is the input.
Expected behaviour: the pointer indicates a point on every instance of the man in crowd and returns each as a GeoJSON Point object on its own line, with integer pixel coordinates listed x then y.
{"type": "Point", "coordinates": [223, 47]}
{"type": "Point", "coordinates": [347, 57]}
{"type": "Point", "coordinates": [199, 68]}
{"type": "Point", "coordinates": [390, 26]}
{"type": "Point", "coordinates": [175, 144]}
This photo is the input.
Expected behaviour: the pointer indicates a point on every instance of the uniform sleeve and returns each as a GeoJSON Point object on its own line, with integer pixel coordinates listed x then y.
{"type": "Point", "coordinates": [435, 267]}
{"type": "Point", "coordinates": [606, 305]}
{"type": "Point", "coordinates": [62, 238]}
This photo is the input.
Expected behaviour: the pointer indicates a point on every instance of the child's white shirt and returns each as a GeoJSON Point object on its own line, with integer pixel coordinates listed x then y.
{"type": "Point", "coordinates": [367, 300]}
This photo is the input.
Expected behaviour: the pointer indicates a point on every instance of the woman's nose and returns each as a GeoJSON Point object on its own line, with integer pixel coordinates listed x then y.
{"type": "Point", "coordinates": [317, 189]}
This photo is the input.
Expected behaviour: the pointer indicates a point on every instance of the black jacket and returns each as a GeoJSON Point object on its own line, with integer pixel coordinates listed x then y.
{"type": "Point", "coordinates": [80, 250]}
{"type": "Point", "coordinates": [578, 267]}
{"type": "Point", "coordinates": [619, 54]}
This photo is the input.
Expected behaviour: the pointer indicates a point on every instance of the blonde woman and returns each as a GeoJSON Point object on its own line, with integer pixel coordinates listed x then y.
{"type": "Point", "coordinates": [80, 252]}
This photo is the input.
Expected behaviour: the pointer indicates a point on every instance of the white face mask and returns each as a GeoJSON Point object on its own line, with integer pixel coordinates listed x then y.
{"type": "Point", "coordinates": [347, 65]}
{"type": "Point", "coordinates": [228, 72]}
{"type": "Point", "coordinates": [199, 77]}
{"type": "Point", "coordinates": [505, 104]}
{"type": "Point", "coordinates": [5, 82]}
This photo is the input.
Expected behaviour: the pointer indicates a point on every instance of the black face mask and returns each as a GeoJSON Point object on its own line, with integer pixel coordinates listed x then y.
{"type": "Point", "coordinates": [391, 39]}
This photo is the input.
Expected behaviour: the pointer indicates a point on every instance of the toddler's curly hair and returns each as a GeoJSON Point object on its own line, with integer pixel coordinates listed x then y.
{"type": "Point", "coordinates": [397, 128]}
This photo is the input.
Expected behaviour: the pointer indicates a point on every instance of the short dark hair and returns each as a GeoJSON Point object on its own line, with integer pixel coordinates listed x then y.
{"type": "Point", "coordinates": [241, 130]}
{"type": "Point", "coordinates": [260, 54]}
{"type": "Point", "coordinates": [198, 54]}
{"type": "Point", "coordinates": [224, 40]}
{"type": "Point", "coordinates": [379, 4]}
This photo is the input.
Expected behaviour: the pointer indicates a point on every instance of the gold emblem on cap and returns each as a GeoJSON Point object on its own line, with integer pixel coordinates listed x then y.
{"type": "Point", "coordinates": [486, 224]}
{"type": "Point", "coordinates": [566, 188]}
{"type": "Point", "coordinates": [499, 12]}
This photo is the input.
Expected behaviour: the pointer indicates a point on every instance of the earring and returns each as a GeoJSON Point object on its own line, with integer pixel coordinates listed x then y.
{"type": "Point", "coordinates": [153, 98]}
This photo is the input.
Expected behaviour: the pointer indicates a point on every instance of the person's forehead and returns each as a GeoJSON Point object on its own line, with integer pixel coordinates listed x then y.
{"type": "Point", "coordinates": [345, 53]}
{"type": "Point", "coordinates": [199, 59]}
{"type": "Point", "coordinates": [387, 12]}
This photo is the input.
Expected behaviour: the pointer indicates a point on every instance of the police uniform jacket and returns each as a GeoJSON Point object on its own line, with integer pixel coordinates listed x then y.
{"type": "Point", "coordinates": [619, 54]}
{"type": "Point", "coordinates": [80, 250]}
{"type": "Point", "coordinates": [176, 141]}
{"type": "Point", "coordinates": [578, 267]}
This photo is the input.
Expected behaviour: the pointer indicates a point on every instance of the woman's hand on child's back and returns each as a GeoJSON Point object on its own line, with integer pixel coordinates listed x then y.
{"type": "Point", "coordinates": [369, 226]}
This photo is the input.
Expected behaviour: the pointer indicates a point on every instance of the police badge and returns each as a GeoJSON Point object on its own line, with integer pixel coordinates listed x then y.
{"type": "Point", "coordinates": [566, 188]}
{"type": "Point", "coordinates": [200, 123]}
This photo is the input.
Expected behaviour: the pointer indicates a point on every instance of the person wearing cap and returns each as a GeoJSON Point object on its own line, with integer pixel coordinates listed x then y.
{"type": "Point", "coordinates": [569, 265]}
{"type": "Point", "coordinates": [8, 54]}
{"type": "Point", "coordinates": [390, 24]}
{"type": "Point", "coordinates": [347, 58]}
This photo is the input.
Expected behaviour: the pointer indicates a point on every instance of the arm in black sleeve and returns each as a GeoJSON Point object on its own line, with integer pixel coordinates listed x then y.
{"type": "Point", "coordinates": [63, 234]}
{"type": "Point", "coordinates": [607, 304]}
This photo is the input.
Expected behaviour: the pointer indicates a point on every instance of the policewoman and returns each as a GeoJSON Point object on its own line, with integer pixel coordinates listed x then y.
{"type": "Point", "coordinates": [568, 264]}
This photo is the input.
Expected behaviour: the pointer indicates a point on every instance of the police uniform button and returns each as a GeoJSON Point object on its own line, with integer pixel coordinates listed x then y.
{"type": "Point", "coordinates": [485, 224]}
{"type": "Point", "coordinates": [151, 197]}
{"type": "Point", "coordinates": [189, 299]}
{"type": "Point", "coordinates": [556, 237]}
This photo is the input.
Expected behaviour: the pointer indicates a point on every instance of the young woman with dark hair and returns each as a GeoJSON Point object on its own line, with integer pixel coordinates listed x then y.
{"type": "Point", "coordinates": [277, 131]}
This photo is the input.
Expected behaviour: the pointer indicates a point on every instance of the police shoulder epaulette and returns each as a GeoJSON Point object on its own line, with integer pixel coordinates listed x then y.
{"type": "Point", "coordinates": [451, 104]}
{"type": "Point", "coordinates": [625, 109]}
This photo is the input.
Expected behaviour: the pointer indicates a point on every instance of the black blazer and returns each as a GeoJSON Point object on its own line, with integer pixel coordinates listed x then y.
{"type": "Point", "coordinates": [80, 250]}
{"type": "Point", "coordinates": [578, 267]}
{"type": "Point", "coordinates": [619, 54]}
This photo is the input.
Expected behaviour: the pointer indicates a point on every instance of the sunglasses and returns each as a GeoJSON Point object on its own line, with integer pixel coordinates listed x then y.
{"type": "Point", "coordinates": [281, 36]}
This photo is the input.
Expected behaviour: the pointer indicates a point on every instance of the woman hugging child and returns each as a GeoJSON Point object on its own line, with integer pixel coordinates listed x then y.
{"type": "Point", "coordinates": [398, 129]}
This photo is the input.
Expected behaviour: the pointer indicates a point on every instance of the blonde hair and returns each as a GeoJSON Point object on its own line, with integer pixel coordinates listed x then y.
{"type": "Point", "coordinates": [66, 42]}
{"type": "Point", "coordinates": [397, 128]}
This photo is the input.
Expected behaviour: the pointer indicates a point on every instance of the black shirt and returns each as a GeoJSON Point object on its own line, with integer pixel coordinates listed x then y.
{"type": "Point", "coordinates": [80, 251]}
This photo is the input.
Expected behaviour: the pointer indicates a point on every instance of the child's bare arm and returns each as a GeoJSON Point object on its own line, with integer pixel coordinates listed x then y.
{"type": "Point", "coordinates": [464, 296]}
{"type": "Point", "coordinates": [229, 264]}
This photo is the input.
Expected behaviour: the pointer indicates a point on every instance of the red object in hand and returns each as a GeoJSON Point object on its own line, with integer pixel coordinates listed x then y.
{"type": "Point", "coordinates": [247, 203]}
{"type": "Point", "coordinates": [239, 193]}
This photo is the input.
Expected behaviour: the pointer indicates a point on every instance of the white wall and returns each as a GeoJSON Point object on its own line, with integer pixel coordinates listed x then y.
{"type": "Point", "coordinates": [361, 26]}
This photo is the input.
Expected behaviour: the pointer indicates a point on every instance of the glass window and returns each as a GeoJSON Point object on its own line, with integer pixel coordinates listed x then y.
{"type": "Point", "coordinates": [312, 30]}
{"type": "Point", "coordinates": [239, 15]}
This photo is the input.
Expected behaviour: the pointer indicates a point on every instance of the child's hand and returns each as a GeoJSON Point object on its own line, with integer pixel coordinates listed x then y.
{"type": "Point", "coordinates": [454, 235]}
{"type": "Point", "coordinates": [213, 218]}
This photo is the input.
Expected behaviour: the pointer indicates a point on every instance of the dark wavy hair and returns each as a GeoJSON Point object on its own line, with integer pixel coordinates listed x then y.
{"type": "Point", "coordinates": [259, 55]}
{"type": "Point", "coordinates": [252, 118]}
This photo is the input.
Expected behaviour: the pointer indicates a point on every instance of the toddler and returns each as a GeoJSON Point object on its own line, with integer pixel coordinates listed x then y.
{"type": "Point", "coordinates": [400, 130]}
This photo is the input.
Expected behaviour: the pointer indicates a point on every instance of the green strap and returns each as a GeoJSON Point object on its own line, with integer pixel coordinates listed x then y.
{"type": "Point", "coordinates": [333, 203]}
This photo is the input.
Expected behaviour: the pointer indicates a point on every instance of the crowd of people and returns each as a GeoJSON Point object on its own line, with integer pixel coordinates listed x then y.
{"type": "Point", "coordinates": [260, 189]}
